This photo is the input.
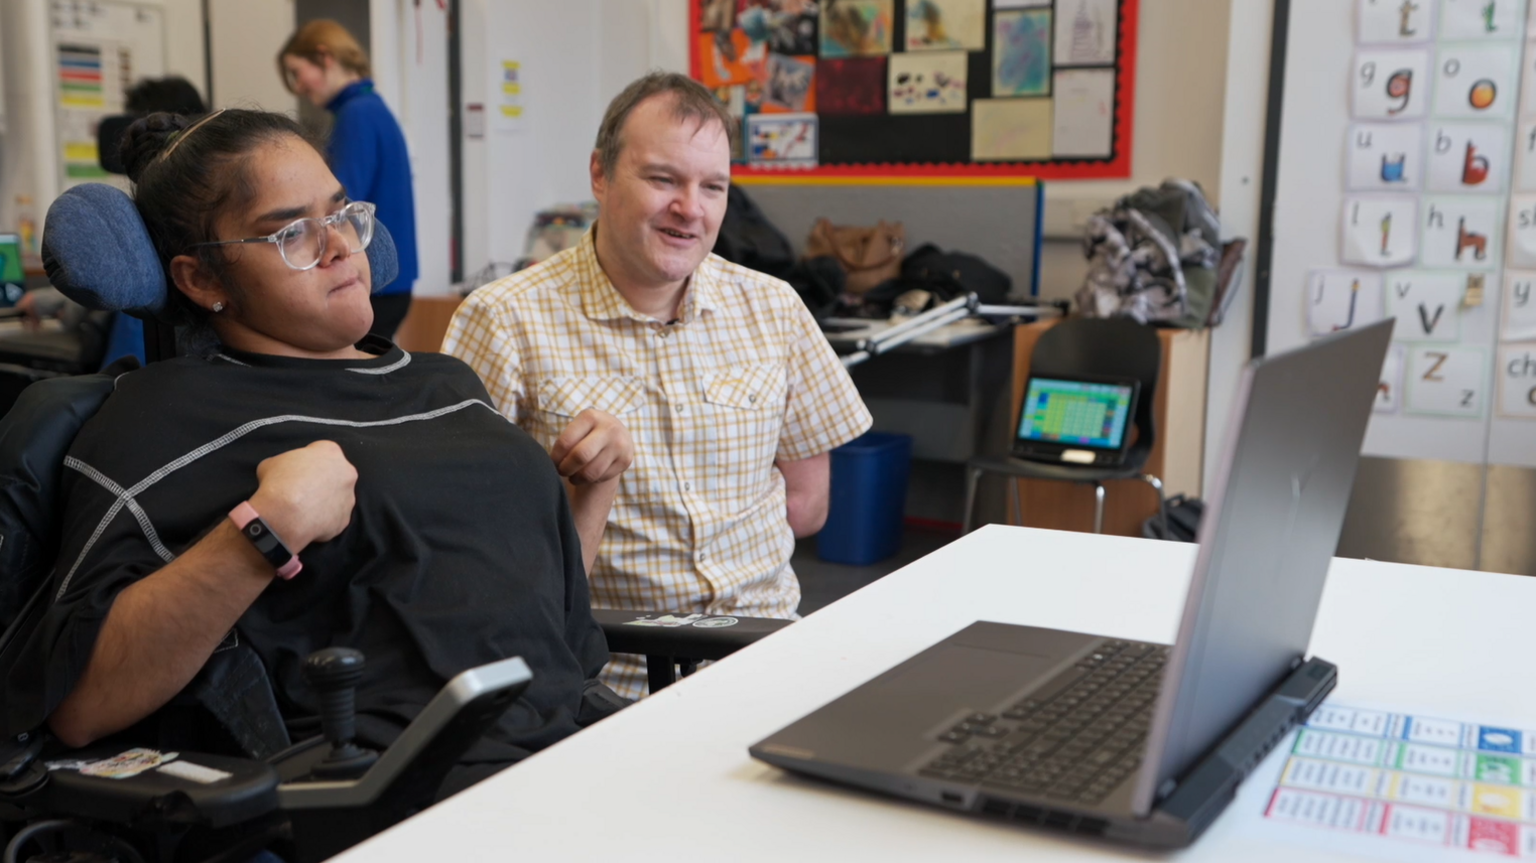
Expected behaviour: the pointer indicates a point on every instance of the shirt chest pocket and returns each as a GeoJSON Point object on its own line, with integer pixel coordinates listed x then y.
{"type": "Point", "coordinates": [748, 387]}
{"type": "Point", "coordinates": [568, 397]}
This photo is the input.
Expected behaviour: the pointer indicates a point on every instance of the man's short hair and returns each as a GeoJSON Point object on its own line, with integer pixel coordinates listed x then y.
{"type": "Point", "coordinates": [690, 101]}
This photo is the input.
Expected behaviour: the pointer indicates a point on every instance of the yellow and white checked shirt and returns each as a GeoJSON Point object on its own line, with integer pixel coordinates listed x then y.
{"type": "Point", "coordinates": [742, 379]}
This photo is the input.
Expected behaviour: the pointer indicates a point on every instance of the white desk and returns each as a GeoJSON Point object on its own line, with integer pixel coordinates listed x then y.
{"type": "Point", "coordinates": [670, 778]}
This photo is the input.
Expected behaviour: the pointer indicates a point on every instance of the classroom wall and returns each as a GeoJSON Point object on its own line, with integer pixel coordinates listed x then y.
{"type": "Point", "coordinates": [1181, 59]}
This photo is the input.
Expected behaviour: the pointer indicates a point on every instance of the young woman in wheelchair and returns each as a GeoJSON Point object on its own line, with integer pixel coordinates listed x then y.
{"type": "Point", "coordinates": [415, 523]}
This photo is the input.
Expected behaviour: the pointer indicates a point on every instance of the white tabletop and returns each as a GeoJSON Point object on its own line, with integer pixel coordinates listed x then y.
{"type": "Point", "coordinates": [671, 776]}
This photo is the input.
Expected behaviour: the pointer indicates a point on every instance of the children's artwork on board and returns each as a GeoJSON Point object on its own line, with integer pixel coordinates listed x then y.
{"type": "Point", "coordinates": [785, 26]}
{"type": "Point", "coordinates": [946, 25]}
{"type": "Point", "coordinates": [929, 82]}
{"type": "Point", "coordinates": [1085, 32]}
{"type": "Point", "coordinates": [717, 14]}
{"type": "Point", "coordinates": [781, 140]}
{"type": "Point", "coordinates": [790, 85]}
{"type": "Point", "coordinates": [855, 86]}
{"type": "Point", "coordinates": [728, 57]}
{"type": "Point", "coordinates": [1084, 122]}
{"type": "Point", "coordinates": [1010, 129]}
{"type": "Point", "coordinates": [856, 28]}
{"type": "Point", "coordinates": [1021, 53]}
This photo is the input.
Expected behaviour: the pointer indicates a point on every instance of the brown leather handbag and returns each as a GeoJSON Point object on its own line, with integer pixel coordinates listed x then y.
{"type": "Point", "coordinates": [869, 255]}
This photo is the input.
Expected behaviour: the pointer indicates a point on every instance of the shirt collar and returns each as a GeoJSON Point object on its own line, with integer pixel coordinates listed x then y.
{"type": "Point", "coordinates": [601, 301]}
{"type": "Point", "coordinates": [348, 93]}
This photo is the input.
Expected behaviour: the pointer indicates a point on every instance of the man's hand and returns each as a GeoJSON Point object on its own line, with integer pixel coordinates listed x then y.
{"type": "Point", "coordinates": [306, 495]}
{"type": "Point", "coordinates": [594, 448]}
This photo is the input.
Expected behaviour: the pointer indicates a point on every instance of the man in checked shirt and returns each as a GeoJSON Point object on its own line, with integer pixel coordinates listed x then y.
{"type": "Point", "coordinates": [731, 393]}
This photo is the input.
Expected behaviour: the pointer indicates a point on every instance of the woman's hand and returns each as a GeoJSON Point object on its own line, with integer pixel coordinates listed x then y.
{"type": "Point", "coordinates": [594, 448]}
{"type": "Point", "coordinates": [306, 495]}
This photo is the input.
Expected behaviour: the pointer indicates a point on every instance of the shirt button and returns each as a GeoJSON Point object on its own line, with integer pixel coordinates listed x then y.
{"type": "Point", "coordinates": [702, 556]}
{"type": "Point", "coordinates": [752, 398]}
{"type": "Point", "coordinates": [682, 408]}
{"type": "Point", "coordinates": [687, 486]}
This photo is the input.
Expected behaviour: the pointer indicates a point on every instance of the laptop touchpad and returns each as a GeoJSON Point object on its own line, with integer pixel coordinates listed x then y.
{"type": "Point", "coordinates": [968, 675]}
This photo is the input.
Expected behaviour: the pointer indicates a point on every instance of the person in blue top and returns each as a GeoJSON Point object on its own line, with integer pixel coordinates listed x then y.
{"type": "Point", "coordinates": [323, 64]}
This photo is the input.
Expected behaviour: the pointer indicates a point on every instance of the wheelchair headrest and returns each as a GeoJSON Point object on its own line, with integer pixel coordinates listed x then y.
{"type": "Point", "coordinates": [98, 253]}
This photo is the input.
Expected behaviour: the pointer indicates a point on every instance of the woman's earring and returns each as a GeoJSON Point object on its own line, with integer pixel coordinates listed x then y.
{"type": "Point", "coordinates": [218, 307]}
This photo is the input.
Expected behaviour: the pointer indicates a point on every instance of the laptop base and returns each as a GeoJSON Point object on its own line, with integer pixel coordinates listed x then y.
{"type": "Point", "coordinates": [1190, 807]}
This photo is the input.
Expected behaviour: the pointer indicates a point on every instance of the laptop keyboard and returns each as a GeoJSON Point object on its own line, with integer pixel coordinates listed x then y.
{"type": "Point", "coordinates": [1076, 738]}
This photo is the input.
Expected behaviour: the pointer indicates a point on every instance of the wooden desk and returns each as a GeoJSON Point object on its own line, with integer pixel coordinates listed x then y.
{"type": "Point", "coordinates": [1176, 459]}
{"type": "Point", "coordinates": [670, 778]}
{"type": "Point", "coordinates": [426, 323]}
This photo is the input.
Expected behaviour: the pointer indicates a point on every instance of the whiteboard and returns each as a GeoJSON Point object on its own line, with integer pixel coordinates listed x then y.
{"type": "Point", "coordinates": [100, 49]}
{"type": "Point", "coordinates": [1400, 180]}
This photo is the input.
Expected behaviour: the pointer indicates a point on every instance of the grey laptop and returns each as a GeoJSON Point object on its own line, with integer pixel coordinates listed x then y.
{"type": "Point", "coordinates": [1136, 742]}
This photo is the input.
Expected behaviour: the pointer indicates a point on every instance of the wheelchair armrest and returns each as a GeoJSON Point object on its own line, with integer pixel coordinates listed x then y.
{"type": "Point", "coordinates": [452, 722]}
{"type": "Point", "coordinates": [711, 637]}
{"type": "Point", "coordinates": [681, 639]}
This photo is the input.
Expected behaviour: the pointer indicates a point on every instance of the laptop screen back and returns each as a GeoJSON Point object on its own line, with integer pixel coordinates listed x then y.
{"type": "Point", "coordinates": [1076, 413]}
{"type": "Point", "coordinates": [1269, 532]}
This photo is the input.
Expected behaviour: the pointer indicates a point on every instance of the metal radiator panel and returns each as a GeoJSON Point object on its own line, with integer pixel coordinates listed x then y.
{"type": "Point", "coordinates": [1415, 511]}
{"type": "Point", "coordinates": [1509, 521]}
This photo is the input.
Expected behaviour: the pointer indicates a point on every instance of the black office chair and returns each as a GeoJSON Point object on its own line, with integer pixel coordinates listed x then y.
{"type": "Point", "coordinates": [318, 796]}
{"type": "Point", "coordinates": [1088, 347]}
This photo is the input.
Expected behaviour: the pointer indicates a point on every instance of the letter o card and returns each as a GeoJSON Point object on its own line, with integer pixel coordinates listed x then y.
{"type": "Point", "coordinates": [1482, 19]}
{"type": "Point", "coordinates": [1445, 380]}
{"type": "Point", "coordinates": [1469, 157]}
{"type": "Point", "coordinates": [1386, 157]}
{"type": "Point", "coordinates": [1379, 232]}
{"type": "Point", "coordinates": [1476, 80]}
{"type": "Point", "coordinates": [1517, 381]}
{"type": "Point", "coordinates": [1389, 393]}
{"type": "Point", "coordinates": [1390, 85]}
{"type": "Point", "coordinates": [1393, 21]}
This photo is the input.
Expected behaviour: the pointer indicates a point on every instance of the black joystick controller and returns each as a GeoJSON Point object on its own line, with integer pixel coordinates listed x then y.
{"type": "Point", "coordinates": [334, 673]}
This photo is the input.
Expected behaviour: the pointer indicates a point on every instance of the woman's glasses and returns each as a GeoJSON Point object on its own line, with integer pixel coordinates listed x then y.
{"type": "Point", "coordinates": [302, 243]}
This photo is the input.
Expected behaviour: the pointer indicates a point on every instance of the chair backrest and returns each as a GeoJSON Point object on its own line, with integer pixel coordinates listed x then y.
{"type": "Point", "coordinates": [1106, 347]}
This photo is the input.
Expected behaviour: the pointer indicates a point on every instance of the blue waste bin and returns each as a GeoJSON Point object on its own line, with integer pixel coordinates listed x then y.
{"type": "Point", "coordinates": [869, 496]}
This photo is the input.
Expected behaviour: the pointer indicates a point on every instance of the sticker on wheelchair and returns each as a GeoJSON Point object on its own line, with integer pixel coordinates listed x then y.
{"type": "Point", "coordinates": [126, 764]}
{"type": "Point", "coordinates": [716, 622]}
{"type": "Point", "coordinates": [666, 620]}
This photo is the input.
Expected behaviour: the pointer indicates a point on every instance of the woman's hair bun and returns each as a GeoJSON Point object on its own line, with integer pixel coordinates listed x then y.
{"type": "Point", "coordinates": [147, 138]}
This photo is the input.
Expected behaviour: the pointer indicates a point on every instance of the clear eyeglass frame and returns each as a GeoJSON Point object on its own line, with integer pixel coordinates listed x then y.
{"type": "Point", "coordinates": [303, 242]}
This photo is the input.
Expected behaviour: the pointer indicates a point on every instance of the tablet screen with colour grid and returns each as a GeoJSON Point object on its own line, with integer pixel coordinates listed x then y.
{"type": "Point", "coordinates": [1076, 413]}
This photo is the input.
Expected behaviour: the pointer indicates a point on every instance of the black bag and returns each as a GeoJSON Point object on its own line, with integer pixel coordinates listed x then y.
{"type": "Point", "coordinates": [945, 275]}
{"type": "Point", "coordinates": [1184, 515]}
{"type": "Point", "coordinates": [749, 239]}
